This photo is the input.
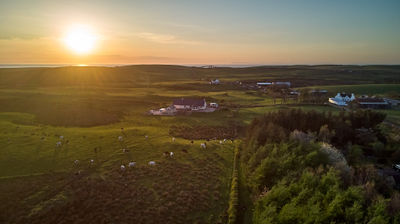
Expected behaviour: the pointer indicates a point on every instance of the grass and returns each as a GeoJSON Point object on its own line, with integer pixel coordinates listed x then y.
{"type": "Point", "coordinates": [88, 106]}
{"type": "Point", "coordinates": [24, 154]}
{"type": "Point", "coordinates": [364, 89]}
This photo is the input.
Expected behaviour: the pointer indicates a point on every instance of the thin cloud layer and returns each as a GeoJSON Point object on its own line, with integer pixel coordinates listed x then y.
{"type": "Point", "coordinates": [165, 38]}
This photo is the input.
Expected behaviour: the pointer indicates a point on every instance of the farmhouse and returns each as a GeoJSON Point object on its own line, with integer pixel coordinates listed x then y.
{"type": "Point", "coordinates": [189, 104]}
{"type": "Point", "coordinates": [342, 99]}
{"type": "Point", "coordinates": [215, 82]}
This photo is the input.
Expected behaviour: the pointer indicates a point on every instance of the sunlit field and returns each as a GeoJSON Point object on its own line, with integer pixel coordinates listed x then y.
{"type": "Point", "coordinates": [41, 182]}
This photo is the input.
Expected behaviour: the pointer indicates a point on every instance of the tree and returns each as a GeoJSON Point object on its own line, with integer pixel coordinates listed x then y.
{"type": "Point", "coordinates": [355, 154]}
{"type": "Point", "coordinates": [325, 135]}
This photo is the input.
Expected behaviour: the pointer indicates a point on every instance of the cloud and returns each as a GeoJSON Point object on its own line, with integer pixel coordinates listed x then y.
{"type": "Point", "coordinates": [189, 27]}
{"type": "Point", "coordinates": [20, 37]}
{"type": "Point", "coordinates": [164, 38]}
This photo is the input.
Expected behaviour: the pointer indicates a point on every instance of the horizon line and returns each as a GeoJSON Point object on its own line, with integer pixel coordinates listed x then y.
{"type": "Point", "coordinates": [38, 65]}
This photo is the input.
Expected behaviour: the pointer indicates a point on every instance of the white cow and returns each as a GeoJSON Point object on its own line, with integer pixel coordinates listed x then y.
{"type": "Point", "coordinates": [220, 142]}
{"type": "Point", "coordinates": [91, 161]}
{"type": "Point", "coordinates": [120, 138]}
{"type": "Point", "coordinates": [131, 164]}
{"type": "Point", "coordinates": [122, 168]}
{"type": "Point", "coordinates": [146, 136]}
{"type": "Point", "coordinates": [173, 139]}
{"type": "Point", "coordinates": [152, 163]}
{"type": "Point", "coordinates": [58, 144]}
{"type": "Point", "coordinates": [203, 145]}
{"type": "Point", "coordinates": [76, 162]}
{"type": "Point", "coordinates": [61, 137]}
{"type": "Point", "coordinates": [171, 154]}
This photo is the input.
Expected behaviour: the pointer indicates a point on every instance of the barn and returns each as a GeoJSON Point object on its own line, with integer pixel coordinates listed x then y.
{"type": "Point", "coordinates": [190, 104]}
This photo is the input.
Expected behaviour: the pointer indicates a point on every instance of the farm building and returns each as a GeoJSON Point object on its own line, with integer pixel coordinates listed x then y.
{"type": "Point", "coordinates": [189, 104]}
{"type": "Point", "coordinates": [288, 84]}
{"type": "Point", "coordinates": [392, 102]}
{"type": "Point", "coordinates": [215, 82]}
{"type": "Point", "coordinates": [372, 102]}
{"type": "Point", "coordinates": [284, 84]}
{"type": "Point", "coordinates": [214, 105]}
{"type": "Point", "coordinates": [164, 111]}
{"type": "Point", "coordinates": [318, 92]}
{"type": "Point", "coordinates": [264, 83]}
{"type": "Point", "coordinates": [342, 99]}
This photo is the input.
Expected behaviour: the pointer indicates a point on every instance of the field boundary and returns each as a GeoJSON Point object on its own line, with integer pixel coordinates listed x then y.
{"type": "Point", "coordinates": [234, 192]}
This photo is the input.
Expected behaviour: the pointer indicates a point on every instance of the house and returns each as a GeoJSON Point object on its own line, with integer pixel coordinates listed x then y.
{"type": "Point", "coordinates": [215, 82]}
{"type": "Point", "coordinates": [189, 104]}
{"type": "Point", "coordinates": [342, 99]}
{"type": "Point", "coordinates": [372, 102]}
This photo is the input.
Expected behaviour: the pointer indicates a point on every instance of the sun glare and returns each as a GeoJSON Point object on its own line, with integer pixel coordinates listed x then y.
{"type": "Point", "coordinates": [80, 39]}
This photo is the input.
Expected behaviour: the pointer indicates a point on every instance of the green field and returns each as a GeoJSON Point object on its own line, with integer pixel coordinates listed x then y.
{"type": "Point", "coordinates": [365, 89]}
{"type": "Point", "coordinates": [89, 106]}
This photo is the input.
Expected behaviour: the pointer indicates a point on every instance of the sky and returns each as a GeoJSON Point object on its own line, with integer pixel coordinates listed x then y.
{"type": "Point", "coordinates": [203, 31]}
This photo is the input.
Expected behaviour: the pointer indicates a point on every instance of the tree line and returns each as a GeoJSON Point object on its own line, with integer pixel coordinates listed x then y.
{"type": "Point", "coordinates": [303, 167]}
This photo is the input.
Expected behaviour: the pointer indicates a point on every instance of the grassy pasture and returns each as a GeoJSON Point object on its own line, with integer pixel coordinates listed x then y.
{"type": "Point", "coordinates": [30, 127]}
{"type": "Point", "coordinates": [29, 150]}
{"type": "Point", "coordinates": [365, 89]}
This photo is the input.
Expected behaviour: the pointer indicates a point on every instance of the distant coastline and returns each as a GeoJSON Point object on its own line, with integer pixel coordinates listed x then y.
{"type": "Point", "coordinates": [188, 65]}
{"type": "Point", "coordinates": [117, 65]}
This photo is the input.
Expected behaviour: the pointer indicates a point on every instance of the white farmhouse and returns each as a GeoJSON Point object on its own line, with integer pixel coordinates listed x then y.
{"type": "Point", "coordinates": [341, 99]}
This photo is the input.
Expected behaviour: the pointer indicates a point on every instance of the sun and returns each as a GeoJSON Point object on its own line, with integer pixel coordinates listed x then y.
{"type": "Point", "coordinates": [81, 39]}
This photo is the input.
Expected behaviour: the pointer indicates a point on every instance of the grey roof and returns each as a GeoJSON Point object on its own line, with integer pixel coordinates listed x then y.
{"type": "Point", "coordinates": [189, 102]}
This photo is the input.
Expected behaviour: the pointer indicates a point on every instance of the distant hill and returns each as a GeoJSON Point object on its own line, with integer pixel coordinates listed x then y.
{"type": "Point", "coordinates": [145, 75]}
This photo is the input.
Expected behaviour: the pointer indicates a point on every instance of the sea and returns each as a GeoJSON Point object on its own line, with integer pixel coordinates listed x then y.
{"type": "Point", "coordinates": [119, 65]}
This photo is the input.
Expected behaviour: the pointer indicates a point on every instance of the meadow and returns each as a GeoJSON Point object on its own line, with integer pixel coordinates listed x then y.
{"type": "Point", "coordinates": [92, 106]}
{"type": "Point", "coordinates": [388, 90]}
